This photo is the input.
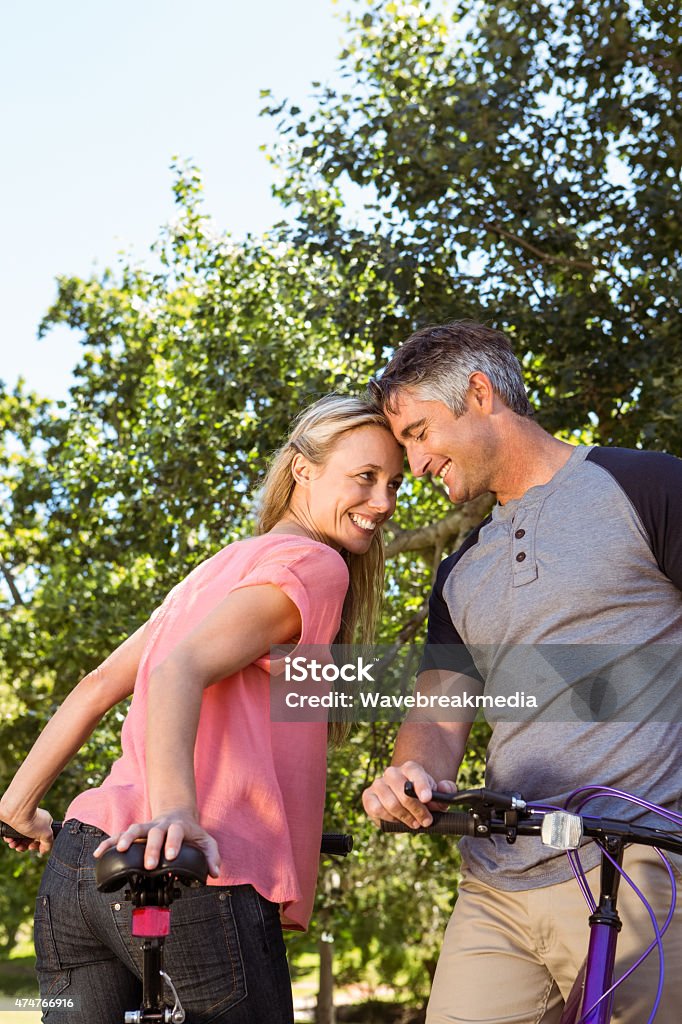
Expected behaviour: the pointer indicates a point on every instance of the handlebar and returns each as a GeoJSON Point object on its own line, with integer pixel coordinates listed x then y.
{"type": "Point", "coordinates": [337, 844]}
{"type": "Point", "coordinates": [450, 823]}
{"type": "Point", "coordinates": [490, 813]}
{"type": "Point", "coordinates": [6, 832]}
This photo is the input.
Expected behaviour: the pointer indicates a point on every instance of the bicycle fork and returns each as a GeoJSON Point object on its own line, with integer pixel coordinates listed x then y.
{"type": "Point", "coordinates": [605, 923]}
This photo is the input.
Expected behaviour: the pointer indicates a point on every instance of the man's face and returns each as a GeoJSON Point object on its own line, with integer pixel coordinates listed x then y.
{"type": "Point", "coordinates": [458, 450]}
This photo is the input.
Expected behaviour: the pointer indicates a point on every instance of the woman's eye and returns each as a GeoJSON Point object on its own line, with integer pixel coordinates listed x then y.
{"type": "Point", "coordinates": [368, 475]}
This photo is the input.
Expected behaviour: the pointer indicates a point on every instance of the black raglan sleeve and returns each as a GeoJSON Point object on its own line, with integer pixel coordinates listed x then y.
{"type": "Point", "coordinates": [653, 483]}
{"type": "Point", "coordinates": [445, 648]}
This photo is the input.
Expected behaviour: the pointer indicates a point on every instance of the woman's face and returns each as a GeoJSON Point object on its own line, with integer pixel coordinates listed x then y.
{"type": "Point", "coordinates": [346, 499]}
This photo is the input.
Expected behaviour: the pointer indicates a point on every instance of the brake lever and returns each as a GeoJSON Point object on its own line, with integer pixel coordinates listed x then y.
{"type": "Point", "coordinates": [477, 797]}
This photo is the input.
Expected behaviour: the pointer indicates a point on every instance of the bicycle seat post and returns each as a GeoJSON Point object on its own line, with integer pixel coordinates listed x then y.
{"type": "Point", "coordinates": [151, 893]}
{"type": "Point", "coordinates": [151, 899]}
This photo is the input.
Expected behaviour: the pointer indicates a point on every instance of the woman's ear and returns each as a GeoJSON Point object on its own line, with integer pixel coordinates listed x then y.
{"type": "Point", "coordinates": [301, 470]}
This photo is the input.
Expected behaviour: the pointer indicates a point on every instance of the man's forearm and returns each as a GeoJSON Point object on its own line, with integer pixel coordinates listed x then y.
{"type": "Point", "coordinates": [437, 747]}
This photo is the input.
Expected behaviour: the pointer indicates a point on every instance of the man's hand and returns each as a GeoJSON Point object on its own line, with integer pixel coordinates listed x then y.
{"type": "Point", "coordinates": [37, 827]}
{"type": "Point", "coordinates": [386, 799]}
{"type": "Point", "coordinates": [167, 832]}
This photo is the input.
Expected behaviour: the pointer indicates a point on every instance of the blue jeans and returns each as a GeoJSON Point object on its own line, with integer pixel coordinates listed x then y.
{"type": "Point", "coordinates": [225, 954]}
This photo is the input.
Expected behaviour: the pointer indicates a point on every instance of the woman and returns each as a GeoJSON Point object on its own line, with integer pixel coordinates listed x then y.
{"type": "Point", "coordinates": [201, 759]}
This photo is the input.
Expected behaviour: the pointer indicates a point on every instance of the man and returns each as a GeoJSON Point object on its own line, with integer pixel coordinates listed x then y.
{"type": "Point", "coordinates": [583, 549]}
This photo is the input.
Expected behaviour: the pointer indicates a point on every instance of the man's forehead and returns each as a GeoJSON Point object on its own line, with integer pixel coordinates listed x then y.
{"type": "Point", "coordinates": [407, 407]}
{"type": "Point", "coordinates": [404, 405]}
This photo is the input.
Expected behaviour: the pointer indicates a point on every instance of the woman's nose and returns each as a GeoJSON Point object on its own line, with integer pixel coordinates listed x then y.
{"type": "Point", "coordinates": [383, 500]}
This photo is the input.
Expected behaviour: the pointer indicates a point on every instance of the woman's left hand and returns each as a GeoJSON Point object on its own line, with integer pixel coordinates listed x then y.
{"type": "Point", "coordinates": [166, 832]}
{"type": "Point", "coordinates": [37, 827]}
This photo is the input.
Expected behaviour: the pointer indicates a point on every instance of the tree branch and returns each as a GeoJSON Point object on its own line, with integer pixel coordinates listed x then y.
{"type": "Point", "coordinates": [407, 633]}
{"type": "Point", "coordinates": [9, 580]}
{"type": "Point", "coordinates": [449, 531]}
{"type": "Point", "coordinates": [653, 60]}
{"type": "Point", "coordinates": [541, 255]}
{"type": "Point", "coordinates": [439, 535]}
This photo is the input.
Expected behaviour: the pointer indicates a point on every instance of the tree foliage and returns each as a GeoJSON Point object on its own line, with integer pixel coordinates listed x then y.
{"type": "Point", "coordinates": [512, 162]}
{"type": "Point", "coordinates": [190, 376]}
{"type": "Point", "coordinates": [519, 162]}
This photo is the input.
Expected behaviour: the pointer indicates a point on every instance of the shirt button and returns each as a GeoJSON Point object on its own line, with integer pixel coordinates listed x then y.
{"type": "Point", "coordinates": [519, 534]}
{"type": "Point", "coordinates": [521, 556]}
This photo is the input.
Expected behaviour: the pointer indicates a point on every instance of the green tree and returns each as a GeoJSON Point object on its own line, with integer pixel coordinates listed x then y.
{"type": "Point", "coordinates": [518, 163]}
{"type": "Point", "coordinates": [190, 375]}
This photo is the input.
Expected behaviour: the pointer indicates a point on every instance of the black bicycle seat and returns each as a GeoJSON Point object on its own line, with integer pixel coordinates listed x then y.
{"type": "Point", "coordinates": [117, 868]}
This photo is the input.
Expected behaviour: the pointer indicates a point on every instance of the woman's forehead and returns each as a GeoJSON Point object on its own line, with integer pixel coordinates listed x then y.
{"type": "Point", "coordinates": [370, 443]}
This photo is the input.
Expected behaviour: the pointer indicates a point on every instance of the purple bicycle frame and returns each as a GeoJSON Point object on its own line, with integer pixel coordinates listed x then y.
{"type": "Point", "coordinates": [585, 1004]}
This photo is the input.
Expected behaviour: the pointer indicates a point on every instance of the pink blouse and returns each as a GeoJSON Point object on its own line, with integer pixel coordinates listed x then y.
{"type": "Point", "coordinates": [260, 784]}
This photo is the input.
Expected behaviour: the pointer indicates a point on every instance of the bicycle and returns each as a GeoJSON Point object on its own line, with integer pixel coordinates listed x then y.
{"type": "Point", "coordinates": [152, 892]}
{"type": "Point", "coordinates": [488, 813]}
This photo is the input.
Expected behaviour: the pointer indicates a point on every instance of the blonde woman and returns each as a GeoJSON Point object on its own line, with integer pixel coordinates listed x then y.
{"type": "Point", "coordinates": [201, 760]}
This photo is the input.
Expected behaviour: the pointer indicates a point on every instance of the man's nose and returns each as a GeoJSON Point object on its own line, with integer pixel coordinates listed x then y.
{"type": "Point", "coordinates": [417, 460]}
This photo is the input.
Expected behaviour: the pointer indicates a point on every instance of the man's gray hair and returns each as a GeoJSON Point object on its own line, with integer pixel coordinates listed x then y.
{"type": "Point", "coordinates": [436, 364]}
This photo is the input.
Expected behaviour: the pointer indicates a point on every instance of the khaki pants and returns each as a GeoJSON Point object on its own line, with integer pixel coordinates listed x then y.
{"type": "Point", "coordinates": [512, 957]}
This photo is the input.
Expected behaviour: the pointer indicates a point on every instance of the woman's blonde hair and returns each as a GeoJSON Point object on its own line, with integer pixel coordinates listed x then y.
{"type": "Point", "coordinates": [316, 433]}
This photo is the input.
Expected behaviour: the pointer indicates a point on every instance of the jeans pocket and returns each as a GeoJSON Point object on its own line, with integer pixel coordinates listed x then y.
{"type": "Point", "coordinates": [205, 951]}
{"type": "Point", "coordinates": [268, 917]}
{"type": "Point", "coordinates": [52, 977]}
{"type": "Point", "coordinates": [128, 950]}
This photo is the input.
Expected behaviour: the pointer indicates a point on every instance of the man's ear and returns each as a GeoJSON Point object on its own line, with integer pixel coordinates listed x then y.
{"type": "Point", "coordinates": [481, 391]}
{"type": "Point", "coordinates": [301, 470]}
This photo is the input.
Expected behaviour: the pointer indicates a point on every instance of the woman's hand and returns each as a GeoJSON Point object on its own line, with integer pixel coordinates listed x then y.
{"type": "Point", "coordinates": [37, 827]}
{"type": "Point", "coordinates": [166, 832]}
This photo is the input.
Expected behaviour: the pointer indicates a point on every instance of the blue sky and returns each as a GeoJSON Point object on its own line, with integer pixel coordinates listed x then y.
{"type": "Point", "coordinates": [95, 99]}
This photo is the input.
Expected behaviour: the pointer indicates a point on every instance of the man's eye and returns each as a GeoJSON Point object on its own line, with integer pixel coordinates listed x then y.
{"type": "Point", "coordinates": [420, 436]}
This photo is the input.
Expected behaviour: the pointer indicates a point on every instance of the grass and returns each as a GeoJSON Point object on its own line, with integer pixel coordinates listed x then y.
{"type": "Point", "coordinates": [17, 976]}
{"type": "Point", "coordinates": [17, 979]}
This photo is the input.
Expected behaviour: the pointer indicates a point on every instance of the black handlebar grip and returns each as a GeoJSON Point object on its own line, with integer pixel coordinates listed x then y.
{"type": "Point", "coordinates": [450, 823]}
{"type": "Point", "coordinates": [9, 833]}
{"type": "Point", "coordinates": [6, 832]}
{"type": "Point", "coordinates": [339, 844]}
